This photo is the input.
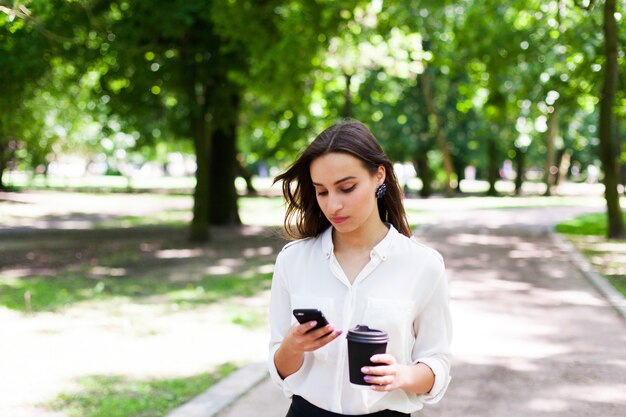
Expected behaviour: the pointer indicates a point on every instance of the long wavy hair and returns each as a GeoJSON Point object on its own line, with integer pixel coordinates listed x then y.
{"type": "Point", "coordinates": [351, 137]}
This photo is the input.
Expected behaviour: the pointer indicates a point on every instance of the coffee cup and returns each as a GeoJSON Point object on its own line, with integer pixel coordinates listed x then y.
{"type": "Point", "coordinates": [363, 343]}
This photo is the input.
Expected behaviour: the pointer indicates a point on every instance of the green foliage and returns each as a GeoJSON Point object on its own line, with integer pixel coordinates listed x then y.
{"type": "Point", "coordinates": [124, 80]}
{"type": "Point", "coordinates": [116, 396]}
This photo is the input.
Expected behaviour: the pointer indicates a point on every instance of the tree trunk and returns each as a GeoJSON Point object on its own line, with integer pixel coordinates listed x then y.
{"type": "Point", "coordinates": [8, 147]}
{"type": "Point", "coordinates": [549, 166]}
{"type": "Point", "coordinates": [520, 169]}
{"type": "Point", "coordinates": [199, 230]}
{"type": "Point", "coordinates": [608, 154]}
{"type": "Point", "coordinates": [439, 129]}
{"type": "Point", "coordinates": [424, 173]}
{"type": "Point", "coordinates": [223, 200]}
{"type": "Point", "coordinates": [3, 165]}
{"type": "Point", "coordinates": [492, 166]}
{"type": "Point", "coordinates": [564, 164]}
{"type": "Point", "coordinates": [5, 145]}
{"type": "Point", "coordinates": [459, 170]}
{"type": "Point", "coordinates": [347, 110]}
{"type": "Point", "coordinates": [244, 172]}
{"type": "Point", "coordinates": [622, 160]}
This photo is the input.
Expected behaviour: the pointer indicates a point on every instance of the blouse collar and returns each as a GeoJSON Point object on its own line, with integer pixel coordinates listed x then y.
{"type": "Point", "coordinates": [381, 250]}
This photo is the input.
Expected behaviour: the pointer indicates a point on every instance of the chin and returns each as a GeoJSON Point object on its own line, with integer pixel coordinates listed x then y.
{"type": "Point", "coordinates": [345, 227]}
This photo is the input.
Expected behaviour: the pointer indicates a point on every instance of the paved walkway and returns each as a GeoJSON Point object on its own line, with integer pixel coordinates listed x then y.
{"type": "Point", "coordinates": [532, 335]}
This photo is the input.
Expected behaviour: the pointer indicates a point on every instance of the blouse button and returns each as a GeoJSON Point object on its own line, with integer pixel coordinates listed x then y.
{"type": "Point", "coordinates": [328, 254]}
{"type": "Point", "coordinates": [384, 258]}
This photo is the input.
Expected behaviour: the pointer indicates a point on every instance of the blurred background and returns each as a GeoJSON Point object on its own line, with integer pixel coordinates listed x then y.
{"type": "Point", "coordinates": [139, 140]}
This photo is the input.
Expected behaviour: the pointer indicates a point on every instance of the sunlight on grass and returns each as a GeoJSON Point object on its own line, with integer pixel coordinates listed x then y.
{"type": "Point", "coordinates": [213, 289]}
{"type": "Point", "coordinates": [42, 293]}
{"type": "Point", "coordinates": [162, 218]}
{"type": "Point", "coordinates": [589, 224]}
{"type": "Point", "coordinates": [100, 183]}
{"type": "Point", "coordinates": [587, 233]}
{"type": "Point", "coordinates": [249, 317]}
{"type": "Point", "coordinates": [116, 396]}
{"type": "Point", "coordinates": [261, 211]}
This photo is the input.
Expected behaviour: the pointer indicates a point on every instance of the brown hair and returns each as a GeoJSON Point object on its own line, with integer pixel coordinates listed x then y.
{"type": "Point", "coordinates": [351, 137]}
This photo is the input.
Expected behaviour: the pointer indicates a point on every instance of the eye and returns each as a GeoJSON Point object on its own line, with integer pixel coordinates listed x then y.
{"type": "Point", "coordinates": [322, 193]}
{"type": "Point", "coordinates": [349, 189]}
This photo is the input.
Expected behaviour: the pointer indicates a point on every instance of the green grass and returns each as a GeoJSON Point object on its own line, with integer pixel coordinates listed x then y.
{"type": "Point", "coordinates": [100, 183]}
{"type": "Point", "coordinates": [163, 218]}
{"type": "Point", "coordinates": [587, 233]}
{"type": "Point", "coordinates": [53, 293]}
{"type": "Point", "coordinates": [619, 282]}
{"type": "Point", "coordinates": [594, 224]}
{"type": "Point", "coordinates": [116, 396]}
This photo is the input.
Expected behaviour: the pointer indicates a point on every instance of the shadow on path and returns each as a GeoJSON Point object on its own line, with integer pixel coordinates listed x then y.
{"type": "Point", "coordinates": [532, 336]}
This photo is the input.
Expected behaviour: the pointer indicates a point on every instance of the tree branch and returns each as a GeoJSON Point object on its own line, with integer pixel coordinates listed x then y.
{"type": "Point", "coordinates": [16, 10]}
{"type": "Point", "coordinates": [581, 4]}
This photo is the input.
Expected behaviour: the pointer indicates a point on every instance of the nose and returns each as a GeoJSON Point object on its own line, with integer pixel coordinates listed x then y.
{"type": "Point", "coordinates": [334, 203]}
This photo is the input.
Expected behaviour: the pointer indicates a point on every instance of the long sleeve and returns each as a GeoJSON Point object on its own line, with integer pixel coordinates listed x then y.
{"type": "Point", "coordinates": [433, 329]}
{"type": "Point", "coordinates": [280, 313]}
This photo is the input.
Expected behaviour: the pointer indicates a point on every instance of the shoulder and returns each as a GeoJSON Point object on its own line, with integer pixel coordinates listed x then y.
{"type": "Point", "coordinates": [426, 249]}
{"type": "Point", "coordinates": [296, 247]}
{"type": "Point", "coordinates": [294, 253]}
{"type": "Point", "coordinates": [419, 252]}
{"type": "Point", "coordinates": [299, 243]}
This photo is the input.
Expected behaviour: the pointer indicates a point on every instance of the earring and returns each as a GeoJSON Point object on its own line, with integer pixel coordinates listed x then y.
{"type": "Point", "coordinates": [381, 190]}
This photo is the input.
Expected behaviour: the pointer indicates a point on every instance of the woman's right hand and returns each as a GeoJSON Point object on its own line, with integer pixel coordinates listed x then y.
{"type": "Point", "coordinates": [298, 340]}
{"type": "Point", "coordinates": [301, 338]}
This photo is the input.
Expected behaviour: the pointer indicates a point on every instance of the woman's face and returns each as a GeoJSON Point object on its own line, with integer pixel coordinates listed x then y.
{"type": "Point", "coordinates": [345, 190]}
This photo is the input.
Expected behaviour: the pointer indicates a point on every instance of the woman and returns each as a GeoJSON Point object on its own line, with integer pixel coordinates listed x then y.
{"type": "Point", "coordinates": [354, 259]}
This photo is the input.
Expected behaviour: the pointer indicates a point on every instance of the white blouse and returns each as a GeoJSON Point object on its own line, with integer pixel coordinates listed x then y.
{"type": "Point", "coordinates": [402, 290]}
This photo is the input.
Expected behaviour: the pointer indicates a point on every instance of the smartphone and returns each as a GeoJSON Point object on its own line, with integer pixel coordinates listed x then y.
{"type": "Point", "coordinates": [304, 315]}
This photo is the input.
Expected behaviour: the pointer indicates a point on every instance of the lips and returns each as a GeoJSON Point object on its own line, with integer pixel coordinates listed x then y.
{"type": "Point", "coordinates": [338, 220]}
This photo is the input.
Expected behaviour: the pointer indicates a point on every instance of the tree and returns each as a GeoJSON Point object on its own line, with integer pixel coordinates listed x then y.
{"type": "Point", "coordinates": [608, 149]}
{"type": "Point", "coordinates": [23, 44]}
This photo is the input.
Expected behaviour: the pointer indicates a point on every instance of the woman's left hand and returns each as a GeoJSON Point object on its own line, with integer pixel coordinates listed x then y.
{"type": "Point", "coordinates": [385, 377]}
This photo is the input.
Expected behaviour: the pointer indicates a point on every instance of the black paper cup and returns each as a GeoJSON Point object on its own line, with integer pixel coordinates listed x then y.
{"type": "Point", "coordinates": [363, 343]}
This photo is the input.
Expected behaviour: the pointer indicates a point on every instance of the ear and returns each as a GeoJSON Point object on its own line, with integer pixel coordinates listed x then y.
{"type": "Point", "coordinates": [381, 174]}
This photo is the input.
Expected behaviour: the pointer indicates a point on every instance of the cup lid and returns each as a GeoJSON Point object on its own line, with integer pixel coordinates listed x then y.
{"type": "Point", "coordinates": [363, 334]}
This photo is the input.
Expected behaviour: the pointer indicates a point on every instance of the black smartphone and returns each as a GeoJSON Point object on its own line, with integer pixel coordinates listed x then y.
{"type": "Point", "coordinates": [304, 315]}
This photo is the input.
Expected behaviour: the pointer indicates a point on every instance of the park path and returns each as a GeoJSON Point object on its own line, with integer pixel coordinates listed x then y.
{"type": "Point", "coordinates": [531, 335]}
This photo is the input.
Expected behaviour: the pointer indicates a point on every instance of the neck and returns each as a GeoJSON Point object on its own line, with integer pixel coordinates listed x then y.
{"type": "Point", "coordinates": [364, 238]}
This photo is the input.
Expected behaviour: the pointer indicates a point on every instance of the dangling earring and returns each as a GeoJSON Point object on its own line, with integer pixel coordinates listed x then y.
{"type": "Point", "coordinates": [381, 190]}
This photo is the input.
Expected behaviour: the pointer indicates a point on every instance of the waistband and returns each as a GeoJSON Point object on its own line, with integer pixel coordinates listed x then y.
{"type": "Point", "coordinates": [303, 408]}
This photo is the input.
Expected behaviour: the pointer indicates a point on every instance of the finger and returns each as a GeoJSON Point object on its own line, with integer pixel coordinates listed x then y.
{"type": "Point", "coordinates": [327, 338]}
{"type": "Point", "coordinates": [306, 327]}
{"type": "Point", "coordinates": [379, 383]}
{"type": "Point", "coordinates": [382, 387]}
{"type": "Point", "coordinates": [326, 332]}
{"type": "Point", "coordinates": [377, 370]}
{"type": "Point", "coordinates": [383, 358]}
{"type": "Point", "coordinates": [324, 340]}
{"type": "Point", "coordinates": [321, 332]}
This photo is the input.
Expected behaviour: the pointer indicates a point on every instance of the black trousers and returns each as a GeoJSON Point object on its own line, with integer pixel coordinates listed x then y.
{"type": "Point", "coordinates": [302, 408]}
